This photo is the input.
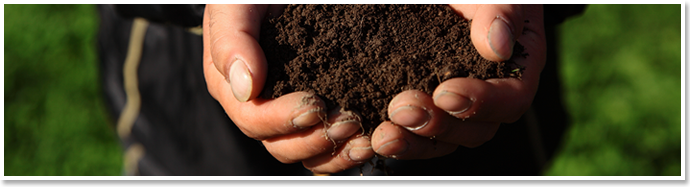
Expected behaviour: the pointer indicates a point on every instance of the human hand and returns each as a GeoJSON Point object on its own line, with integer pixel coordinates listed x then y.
{"type": "Point", "coordinates": [464, 111]}
{"type": "Point", "coordinates": [290, 127]}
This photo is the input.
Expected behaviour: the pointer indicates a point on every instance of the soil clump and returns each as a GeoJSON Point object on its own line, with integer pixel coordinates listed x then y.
{"type": "Point", "coordinates": [360, 56]}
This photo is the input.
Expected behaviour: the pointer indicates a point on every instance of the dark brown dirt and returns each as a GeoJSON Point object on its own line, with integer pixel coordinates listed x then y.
{"type": "Point", "coordinates": [360, 56]}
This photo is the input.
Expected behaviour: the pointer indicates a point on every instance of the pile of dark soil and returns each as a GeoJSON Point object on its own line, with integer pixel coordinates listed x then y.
{"type": "Point", "coordinates": [360, 56]}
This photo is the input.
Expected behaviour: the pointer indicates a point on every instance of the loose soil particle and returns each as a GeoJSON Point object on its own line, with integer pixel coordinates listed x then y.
{"type": "Point", "coordinates": [360, 56]}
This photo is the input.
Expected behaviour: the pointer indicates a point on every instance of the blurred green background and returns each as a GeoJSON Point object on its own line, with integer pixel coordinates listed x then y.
{"type": "Point", "coordinates": [55, 118]}
{"type": "Point", "coordinates": [620, 67]}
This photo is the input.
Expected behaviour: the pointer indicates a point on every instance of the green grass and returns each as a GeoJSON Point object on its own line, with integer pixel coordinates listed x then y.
{"type": "Point", "coordinates": [55, 120]}
{"type": "Point", "coordinates": [620, 71]}
{"type": "Point", "coordinates": [621, 66]}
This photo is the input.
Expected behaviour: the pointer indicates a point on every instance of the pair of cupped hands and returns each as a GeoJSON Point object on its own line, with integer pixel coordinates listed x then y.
{"type": "Point", "coordinates": [460, 112]}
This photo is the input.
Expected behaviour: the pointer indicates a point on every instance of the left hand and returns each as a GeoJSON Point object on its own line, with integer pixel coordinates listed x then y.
{"type": "Point", "coordinates": [464, 111]}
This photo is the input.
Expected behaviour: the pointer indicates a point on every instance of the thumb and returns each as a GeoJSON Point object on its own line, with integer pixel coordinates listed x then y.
{"type": "Point", "coordinates": [231, 34]}
{"type": "Point", "coordinates": [494, 29]}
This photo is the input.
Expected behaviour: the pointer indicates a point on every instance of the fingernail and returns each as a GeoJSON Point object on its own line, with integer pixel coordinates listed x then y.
{"type": "Point", "coordinates": [342, 130]}
{"type": "Point", "coordinates": [240, 80]}
{"type": "Point", "coordinates": [309, 118]}
{"type": "Point", "coordinates": [361, 150]}
{"type": "Point", "coordinates": [501, 39]}
{"type": "Point", "coordinates": [393, 148]}
{"type": "Point", "coordinates": [410, 117]}
{"type": "Point", "coordinates": [452, 103]}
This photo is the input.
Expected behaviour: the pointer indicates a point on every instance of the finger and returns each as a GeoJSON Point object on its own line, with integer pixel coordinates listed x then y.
{"type": "Point", "coordinates": [493, 100]}
{"type": "Point", "coordinates": [261, 118]}
{"type": "Point", "coordinates": [305, 145]}
{"type": "Point", "coordinates": [342, 124]}
{"type": "Point", "coordinates": [415, 111]}
{"type": "Point", "coordinates": [494, 28]}
{"type": "Point", "coordinates": [410, 109]}
{"type": "Point", "coordinates": [355, 152]}
{"type": "Point", "coordinates": [295, 147]}
{"type": "Point", "coordinates": [396, 142]}
{"type": "Point", "coordinates": [232, 32]}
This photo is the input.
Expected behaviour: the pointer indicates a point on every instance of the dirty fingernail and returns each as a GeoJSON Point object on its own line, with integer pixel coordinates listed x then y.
{"type": "Point", "coordinates": [343, 129]}
{"type": "Point", "coordinates": [361, 150]}
{"type": "Point", "coordinates": [240, 80]}
{"type": "Point", "coordinates": [309, 118]}
{"type": "Point", "coordinates": [410, 117]}
{"type": "Point", "coordinates": [501, 39]}
{"type": "Point", "coordinates": [452, 103]}
{"type": "Point", "coordinates": [393, 148]}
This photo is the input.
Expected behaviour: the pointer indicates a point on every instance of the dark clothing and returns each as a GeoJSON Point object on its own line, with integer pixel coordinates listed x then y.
{"type": "Point", "coordinates": [184, 131]}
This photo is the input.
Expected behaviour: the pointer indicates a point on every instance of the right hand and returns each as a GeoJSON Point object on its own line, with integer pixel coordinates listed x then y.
{"type": "Point", "coordinates": [290, 127]}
